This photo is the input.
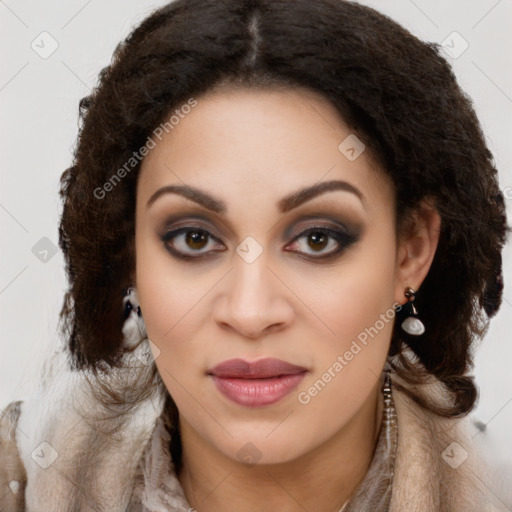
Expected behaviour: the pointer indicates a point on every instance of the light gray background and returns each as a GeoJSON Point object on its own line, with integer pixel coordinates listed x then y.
{"type": "Point", "coordinates": [39, 111]}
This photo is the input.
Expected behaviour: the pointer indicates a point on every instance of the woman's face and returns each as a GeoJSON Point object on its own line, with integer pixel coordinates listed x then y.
{"type": "Point", "coordinates": [251, 266]}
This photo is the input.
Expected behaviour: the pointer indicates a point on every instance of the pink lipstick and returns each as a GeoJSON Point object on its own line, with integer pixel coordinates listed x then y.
{"type": "Point", "coordinates": [258, 383]}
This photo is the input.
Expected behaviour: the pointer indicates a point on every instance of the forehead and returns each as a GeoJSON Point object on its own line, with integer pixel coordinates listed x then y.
{"type": "Point", "coordinates": [250, 145]}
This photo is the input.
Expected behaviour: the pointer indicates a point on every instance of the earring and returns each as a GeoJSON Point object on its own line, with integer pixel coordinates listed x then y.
{"type": "Point", "coordinates": [134, 329]}
{"type": "Point", "coordinates": [130, 301]}
{"type": "Point", "coordinates": [412, 324]}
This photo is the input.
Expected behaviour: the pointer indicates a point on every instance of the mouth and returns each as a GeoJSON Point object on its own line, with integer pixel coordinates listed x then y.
{"type": "Point", "coordinates": [256, 384]}
{"type": "Point", "coordinates": [268, 367]}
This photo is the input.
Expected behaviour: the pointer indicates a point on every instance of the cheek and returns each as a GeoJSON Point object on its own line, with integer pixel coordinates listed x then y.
{"type": "Point", "coordinates": [367, 294]}
{"type": "Point", "coordinates": [353, 296]}
{"type": "Point", "coordinates": [158, 284]}
{"type": "Point", "coordinates": [157, 288]}
{"type": "Point", "coordinates": [170, 298]}
{"type": "Point", "coordinates": [356, 303]}
{"type": "Point", "coordinates": [167, 305]}
{"type": "Point", "coordinates": [349, 362]}
{"type": "Point", "coordinates": [170, 321]}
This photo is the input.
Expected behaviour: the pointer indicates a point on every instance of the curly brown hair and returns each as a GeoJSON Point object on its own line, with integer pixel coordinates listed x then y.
{"type": "Point", "coordinates": [397, 93]}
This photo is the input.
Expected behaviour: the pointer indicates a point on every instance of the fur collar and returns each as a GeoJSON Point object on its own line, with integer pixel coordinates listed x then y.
{"type": "Point", "coordinates": [64, 462]}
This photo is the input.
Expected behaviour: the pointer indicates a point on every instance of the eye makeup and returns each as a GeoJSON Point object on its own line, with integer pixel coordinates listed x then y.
{"type": "Point", "coordinates": [194, 237]}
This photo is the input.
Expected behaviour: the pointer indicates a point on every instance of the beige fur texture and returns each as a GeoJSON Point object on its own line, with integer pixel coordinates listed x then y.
{"type": "Point", "coordinates": [440, 466]}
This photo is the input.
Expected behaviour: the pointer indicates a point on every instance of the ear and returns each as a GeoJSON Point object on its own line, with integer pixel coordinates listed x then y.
{"type": "Point", "coordinates": [417, 244]}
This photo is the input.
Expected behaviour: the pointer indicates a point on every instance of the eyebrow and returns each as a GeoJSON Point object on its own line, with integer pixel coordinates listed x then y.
{"type": "Point", "coordinates": [286, 204]}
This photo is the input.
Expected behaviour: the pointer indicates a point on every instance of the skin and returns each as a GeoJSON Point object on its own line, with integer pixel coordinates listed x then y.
{"type": "Point", "coordinates": [250, 149]}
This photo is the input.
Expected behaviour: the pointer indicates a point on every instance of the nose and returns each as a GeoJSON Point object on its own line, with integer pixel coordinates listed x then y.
{"type": "Point", "coordinates": [254, 300]}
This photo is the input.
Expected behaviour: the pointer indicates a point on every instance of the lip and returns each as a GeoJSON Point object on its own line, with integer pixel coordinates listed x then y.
{"type": "Point", "coordinates": [260, 369]}
{"type": "Point", "coordinates": [258, 383]}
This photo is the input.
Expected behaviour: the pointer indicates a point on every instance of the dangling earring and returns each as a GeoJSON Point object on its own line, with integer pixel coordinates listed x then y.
{"type": "Point", "coordinates": [412, 324]}
{"type": "Point", "coordinates": [134, 329]}
{"type": "Point", "coordinates": [131, 301]}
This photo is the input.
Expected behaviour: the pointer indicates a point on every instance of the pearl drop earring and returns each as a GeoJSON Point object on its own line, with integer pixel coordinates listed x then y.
{"type": "Point", "coordinates": [412, 324]}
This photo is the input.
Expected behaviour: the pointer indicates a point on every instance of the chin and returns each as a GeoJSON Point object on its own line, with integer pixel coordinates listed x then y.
{"type": "Point", "coordinates": [253, 449]}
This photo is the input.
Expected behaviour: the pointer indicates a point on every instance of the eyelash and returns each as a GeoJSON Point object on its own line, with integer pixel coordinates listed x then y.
{"type": "Point", "coordinates": [343, 238]}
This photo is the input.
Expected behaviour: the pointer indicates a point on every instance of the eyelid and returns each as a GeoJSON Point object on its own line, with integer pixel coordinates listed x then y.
{"type": "Point", "coordinates": [343, 238]}
{"type": "Point", "coordinates": [191, 214]}
{"type": "Point", "coordinates": [320, 224]}
{"type": "Point", "coordinates": [290, 233]}
{"type": "Point", "coordinates": [339, 221]}
{"type": "Point", "coordinates": [173, 224]}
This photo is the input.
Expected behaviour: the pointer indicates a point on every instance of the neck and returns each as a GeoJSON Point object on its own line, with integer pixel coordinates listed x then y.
{"type": "Point", "coordinates": [322, 479]}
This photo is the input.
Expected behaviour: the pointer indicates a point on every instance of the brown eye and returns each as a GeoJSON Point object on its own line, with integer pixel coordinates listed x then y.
{"type": "Point", "coordinates": [188, 242]}
{"type": "Point", "coordinates": [191, 242]}
{"type": "Point", "coordinates": [196, 239]}
{"type": "Point", "coordinates": [316, 239]}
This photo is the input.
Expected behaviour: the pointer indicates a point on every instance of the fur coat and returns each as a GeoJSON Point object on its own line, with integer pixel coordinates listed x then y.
{"type": "Point", "coordinates": [55, 458]}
